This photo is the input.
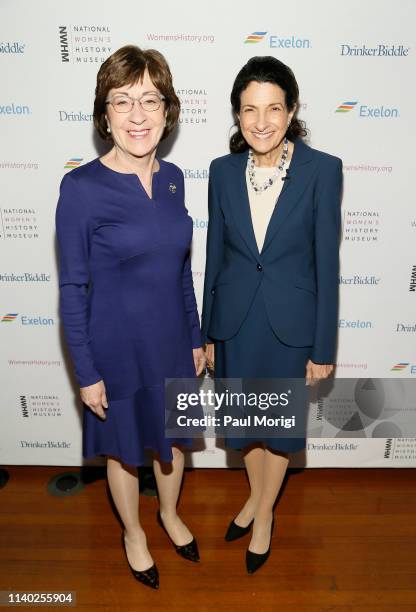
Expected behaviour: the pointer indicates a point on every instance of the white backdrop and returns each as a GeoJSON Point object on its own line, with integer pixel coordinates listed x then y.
{"type": "Point", "coordinates": [356, 57]}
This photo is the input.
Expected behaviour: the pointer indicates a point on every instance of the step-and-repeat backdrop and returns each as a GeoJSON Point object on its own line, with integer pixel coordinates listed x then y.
{"type": "Point", "coordinates": [355, 64]}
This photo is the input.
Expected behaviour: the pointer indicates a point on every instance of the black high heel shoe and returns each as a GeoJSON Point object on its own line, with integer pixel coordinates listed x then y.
{"type": "Point", "coordinates": [187, 551]}
{"type": "Point", "coordinates": [149, 577]}
{"type": "Point", "coordinates": [234, 531]}
{"type": "Point", "coordinates": [254, 561]}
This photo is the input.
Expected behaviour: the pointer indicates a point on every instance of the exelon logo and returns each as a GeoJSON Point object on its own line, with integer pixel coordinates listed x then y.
{"type": "Point", "coordinates": [14, 109]}
{"type": "Point", "coordinates": [277, 41]}
{"type": "Point", "coordinates": [73, 162]}
{"type": "Point", "coordinates": [368, 112]}
{"type": "Point", "coordinates": [11, 317]}
{"type": "Point", "coordinates": [255, 37]}
{"type": "Point", "coordinates": [354, 324]}
{"type": "Point", "coordinates": [402, 366]}
{"type": "Point", "coordinates": [200, 223]}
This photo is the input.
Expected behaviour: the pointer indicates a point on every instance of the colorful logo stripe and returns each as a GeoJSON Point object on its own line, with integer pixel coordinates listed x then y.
{"type": "Point", "coordinates": [345, 107]}
{"type": "Point", "coordinates": [74, 162]}
{"type": "Point", "coordinates": [9, 317]}
{"type": "Point", "coordinates": [400, 366]}
{"type": "Point", "coordinates": [255, 37]}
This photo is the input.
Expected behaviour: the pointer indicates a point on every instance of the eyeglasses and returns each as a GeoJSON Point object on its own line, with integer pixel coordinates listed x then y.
{"type": "Point", "coordinates": [122, 103]}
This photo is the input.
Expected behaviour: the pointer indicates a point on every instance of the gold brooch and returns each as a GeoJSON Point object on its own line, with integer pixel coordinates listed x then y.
{"type": "Point", "coordinates": [172, 187]}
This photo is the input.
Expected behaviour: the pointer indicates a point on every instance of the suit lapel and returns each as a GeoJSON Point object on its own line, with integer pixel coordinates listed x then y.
{"type": "Point", "coordinates": [300, 172]}
{"type": "Point", "coordinates": [240, 203]}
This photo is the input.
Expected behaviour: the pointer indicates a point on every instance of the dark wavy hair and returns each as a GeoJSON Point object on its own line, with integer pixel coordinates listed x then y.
{"type": "Point", "coordinates": [126, 67]}
{"type": "Point", "coordinates": [265, 69]}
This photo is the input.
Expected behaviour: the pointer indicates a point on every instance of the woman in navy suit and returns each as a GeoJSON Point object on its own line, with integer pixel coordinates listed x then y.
{"type": "Point", "coordinates": [271, 282]}
{"type": "Point", "coordinates": [127, 299]}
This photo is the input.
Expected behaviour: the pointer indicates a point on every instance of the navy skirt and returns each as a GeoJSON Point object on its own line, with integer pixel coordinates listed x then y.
{"type": "Point", "coordinates": [133, 425]}
{"type": "Point", "coordinates": [256, 352]}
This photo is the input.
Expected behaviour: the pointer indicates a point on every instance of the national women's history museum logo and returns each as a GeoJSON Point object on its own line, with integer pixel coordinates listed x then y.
{"type": "Point", "coordinates": [277, 41]}
{"type": "Point", "coordinates": [364, 111]}
{"type": "Point", "coordinates": [361, 226]}
{"type": "Point", "coordinates": [18, 224]}
{"type": "Point", "coordinates": [194, 106]}
{"type": "Point", "coordinates": [412, 284]}
{"type": "Point", "coordinates": [380, 50]}
{"type": "Point", "coordinates": [400, 449]}
{"type": "Point", "coordinates": [84, 44]}
{"type": "Point", "coordinates": [36, 405]}
{"type": "Point", "coordinates": [364, 408]}
{"type": "Point", "coordinates": [23, 319]}
{"type": "Point", "coordinates": [12, 48]}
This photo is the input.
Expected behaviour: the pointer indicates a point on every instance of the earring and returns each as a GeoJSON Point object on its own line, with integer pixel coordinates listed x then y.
{"type": "Point", "coordinates": [108, 129]}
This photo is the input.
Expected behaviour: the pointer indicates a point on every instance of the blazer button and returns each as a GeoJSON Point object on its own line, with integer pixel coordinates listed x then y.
{"type": "Point", "coordinates": [212, 291]}
{"type": "Point", "coordinates": [259, 267]}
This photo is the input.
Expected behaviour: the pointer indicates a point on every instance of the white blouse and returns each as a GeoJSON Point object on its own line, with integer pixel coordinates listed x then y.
{"type": "Point", "coordinates": [262, 204]}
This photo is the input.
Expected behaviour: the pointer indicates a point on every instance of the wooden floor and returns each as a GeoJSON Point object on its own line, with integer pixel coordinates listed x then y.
{"type": "Point", "coordinates": [345, 539]}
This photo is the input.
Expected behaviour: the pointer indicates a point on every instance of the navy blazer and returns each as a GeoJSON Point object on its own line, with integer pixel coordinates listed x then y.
{"type": "Point", "coordinates": [298, 265]}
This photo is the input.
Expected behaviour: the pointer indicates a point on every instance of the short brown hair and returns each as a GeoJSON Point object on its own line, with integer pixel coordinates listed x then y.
{"type": "Point", "coordinates": [126, 67]}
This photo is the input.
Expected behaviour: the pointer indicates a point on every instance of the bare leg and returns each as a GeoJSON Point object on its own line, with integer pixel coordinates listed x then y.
{"type": "Point", "coordinates": [124, 487]}
{"type": "Point", "coordinates": [274, 470]}
{"type": "Point", "coordinates": [254, 462]}
{"type": "Point", "coordinates": [169, 478]}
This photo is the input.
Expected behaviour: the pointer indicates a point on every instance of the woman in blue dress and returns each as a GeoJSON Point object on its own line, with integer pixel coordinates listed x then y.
{"type": "Point", "coordinates": [126, 292]}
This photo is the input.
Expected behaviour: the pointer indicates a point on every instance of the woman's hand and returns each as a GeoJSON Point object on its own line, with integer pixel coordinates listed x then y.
{"type": "Point", "coordinates": [199, 360]}
{"type": "Point", "coordinates": [95, 398]}
{"type": "Point", "coordinates": [316, 372]}
{"type": "Point", "coordinates": [209, 354]}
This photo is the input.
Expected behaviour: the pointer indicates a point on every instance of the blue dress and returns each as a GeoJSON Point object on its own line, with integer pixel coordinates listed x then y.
{"type": "Point", "coordinates": [127, 300]}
